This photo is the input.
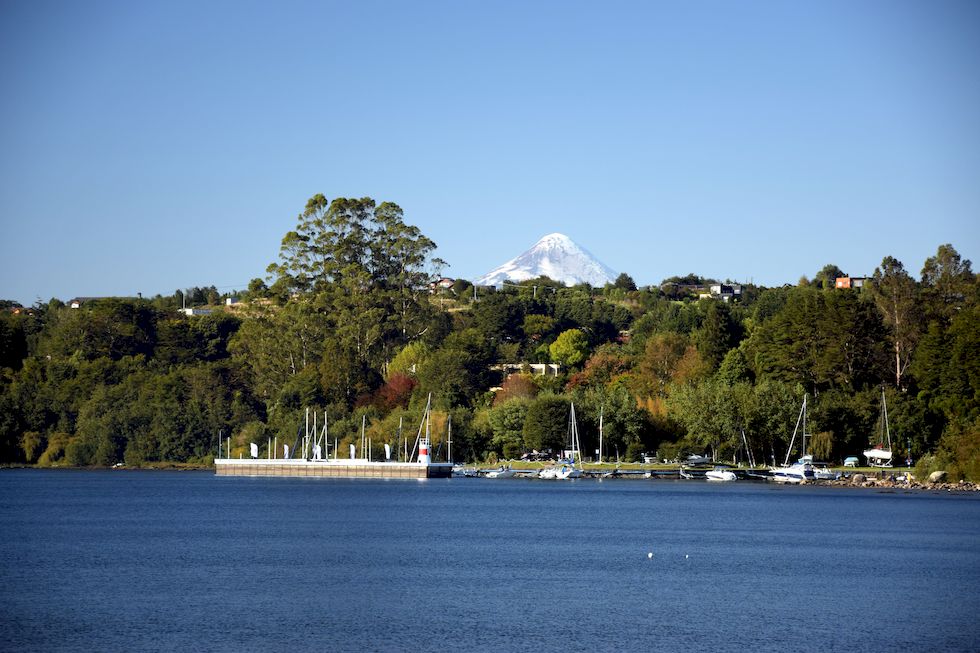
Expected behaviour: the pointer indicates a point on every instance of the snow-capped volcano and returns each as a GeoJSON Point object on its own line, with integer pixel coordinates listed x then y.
{"type": "Point", "coordinates": [555, 256]}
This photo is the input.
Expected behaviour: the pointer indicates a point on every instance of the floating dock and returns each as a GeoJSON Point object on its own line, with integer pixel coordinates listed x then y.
{"type": "Point", "coordinates": [334, 468]}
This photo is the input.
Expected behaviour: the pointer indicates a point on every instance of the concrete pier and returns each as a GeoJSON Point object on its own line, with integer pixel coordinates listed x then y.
{"type": "Point", "coordinates": [329, 468]}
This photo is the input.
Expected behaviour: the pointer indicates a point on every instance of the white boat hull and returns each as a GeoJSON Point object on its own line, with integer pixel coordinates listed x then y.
{"type": "Point", "coordinates": [878, 457]}
{"type": "Point", "coordinates": [714, 475]}
{"type": "Point", "coordinates": [796, 473]}
{"type": "Point", "coordinates": [501, 473]}
{"type": "Point", "coordinates": [567, 471]}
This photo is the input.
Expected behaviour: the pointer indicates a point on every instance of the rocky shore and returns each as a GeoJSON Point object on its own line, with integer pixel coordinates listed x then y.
{"type": "Point", "coordinates": [936, 482]}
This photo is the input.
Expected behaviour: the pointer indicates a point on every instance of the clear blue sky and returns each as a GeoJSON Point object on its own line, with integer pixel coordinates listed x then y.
{"type": "Point", "coordinates": [148, 146]}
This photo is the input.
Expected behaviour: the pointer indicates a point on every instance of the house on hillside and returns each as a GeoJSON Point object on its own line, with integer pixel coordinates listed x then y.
{"type": "Point", "coordinates": [856, 283]}
{"type": "Point", "coordinates": [537, 369]}
{"type": "Point", "coordinates": [726, 292]}
{"type": "Point", "coordinates": [78, 301]}
{"type": "Point", "coordinates": [445, 283]}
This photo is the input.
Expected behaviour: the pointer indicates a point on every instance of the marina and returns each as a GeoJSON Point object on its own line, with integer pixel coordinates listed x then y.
{"type": "Point", "coordinates": [681, 473]}
{"type": "Point", "coordinates": [330, 468]}
{"type": "Point", "coordinates": [315, 460]}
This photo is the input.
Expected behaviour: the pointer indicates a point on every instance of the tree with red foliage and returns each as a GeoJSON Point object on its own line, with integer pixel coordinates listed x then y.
{"type": "Point", "coordinates": [396, 392]}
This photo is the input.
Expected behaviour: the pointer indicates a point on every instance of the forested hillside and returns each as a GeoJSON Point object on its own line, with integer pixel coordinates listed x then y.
{"type": "Point", "coordinates": [346, 323]}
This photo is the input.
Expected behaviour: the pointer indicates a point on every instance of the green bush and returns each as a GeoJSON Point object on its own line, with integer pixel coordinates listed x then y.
{"type": "Point", "coordinates": [32, 443]}
{"type": "Point", "coordinates": [634, 452]}
{"type": "Point", "coordinates": [79, 453]}
{"type": "Point", "coordinates": [512, 450]}
{"type": "Point", "coordinates": [55, 450]}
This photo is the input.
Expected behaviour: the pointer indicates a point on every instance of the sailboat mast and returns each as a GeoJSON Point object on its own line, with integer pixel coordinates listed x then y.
{"type": "Point", "coordinates": [573, 436]}
{"type": "Point", "coordinates": [601, 409]}
{"type": "Point", "coordinates": [799, 419]}
{"type": "Point", "coordinates": [803, 439]}
{"type": "Point", "coordinates": [884, 412]}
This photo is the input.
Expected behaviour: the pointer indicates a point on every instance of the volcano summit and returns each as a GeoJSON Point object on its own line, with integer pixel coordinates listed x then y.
{"type": "Point", "coordinates": [555, 256]}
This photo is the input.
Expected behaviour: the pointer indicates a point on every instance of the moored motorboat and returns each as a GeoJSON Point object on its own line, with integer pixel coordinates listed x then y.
{"type": "Point", "coordinates": [548, 473]}
{"type": "Point", "coordinates": [720, 474]}
{"type": "Point", "coordinates": [568, 471]}
{"type": "Point", "coordinates": [823, 472]}
{"type": "Point", "coordinates": [501, 472]}
{"type": "Point", "coordinates": [798, 472]}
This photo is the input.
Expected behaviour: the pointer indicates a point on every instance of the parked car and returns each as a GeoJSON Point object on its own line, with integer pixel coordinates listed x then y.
{"type": "Point", "coordinates": [851, 461]}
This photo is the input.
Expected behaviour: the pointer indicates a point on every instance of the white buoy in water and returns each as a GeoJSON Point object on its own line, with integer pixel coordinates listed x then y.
{"type": "Point", "coordinates": [650, 555]}
{"type": "Point", "coordinates": [685, 556]}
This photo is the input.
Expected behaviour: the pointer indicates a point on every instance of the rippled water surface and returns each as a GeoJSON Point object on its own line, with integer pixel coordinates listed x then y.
{"type": "Point", "coordinates": [127, 561]}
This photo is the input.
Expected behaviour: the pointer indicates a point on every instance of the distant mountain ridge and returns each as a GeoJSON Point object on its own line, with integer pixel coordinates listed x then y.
{"type": "Point", "coordinates": [557, 257]}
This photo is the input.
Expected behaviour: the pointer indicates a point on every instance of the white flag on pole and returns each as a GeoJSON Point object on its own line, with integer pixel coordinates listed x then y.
{"type": "Point", "coordinates": [255, 450]}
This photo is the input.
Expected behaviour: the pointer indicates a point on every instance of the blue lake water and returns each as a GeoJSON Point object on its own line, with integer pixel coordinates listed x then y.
{"type": "Point", "coordinates": [144, 561]}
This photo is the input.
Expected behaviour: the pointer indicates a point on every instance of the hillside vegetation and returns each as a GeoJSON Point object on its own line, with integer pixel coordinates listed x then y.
{"type": "Point", "coordinates": [346, 323]}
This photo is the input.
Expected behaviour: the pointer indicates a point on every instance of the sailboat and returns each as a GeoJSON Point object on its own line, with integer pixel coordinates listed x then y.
{"type": "Point", "coordinates": [802, 470]}
{"type": "Point", "coordinates": [569, 469]}
{"type": "Point", "coordinates": [881, 455]}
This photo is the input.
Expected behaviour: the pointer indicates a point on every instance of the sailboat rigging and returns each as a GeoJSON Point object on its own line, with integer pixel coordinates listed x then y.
{"type": "Point", "coordinates": [573, 469]}
{"type": "Point", "coordinates": [881, 455]}
{"type": "Point", "coordinates": [802, 470]}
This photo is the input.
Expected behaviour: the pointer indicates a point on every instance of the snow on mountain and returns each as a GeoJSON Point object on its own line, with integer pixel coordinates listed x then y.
{"type": "Point", "coordinates": [555, 256]}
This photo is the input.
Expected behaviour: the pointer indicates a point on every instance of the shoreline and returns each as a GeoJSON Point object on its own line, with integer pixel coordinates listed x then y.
{"type": "Point", "coordinates": [858, 480]}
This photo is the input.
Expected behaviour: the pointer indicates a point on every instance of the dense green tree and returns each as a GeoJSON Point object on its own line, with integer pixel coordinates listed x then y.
{"type": "Point", "coordinates": [897, 297]}
{"type": "Point", "coordinates": [948, 282]}
{"type": "Point", "coordinates": [709, 414]}
{"type": "Point", "coordinates": [507, 423]}
{"type": "Point", "coordinates": [537, 327]}
{"type": "Point", "coordinates": [546, 423]}
{"type": "Point", "coordinates": [13, 341]}
{"type": "Point", "coordinates": [570, 348]}
{"type": "Point", "coordinates": [409, 358]}
{"type": "Point", "coordinates": [110, 328]}
{"type": "Point", "coordinates": [665, 317]}
{"type": "Point", "coordinates": [770, 302]}
{"type": "Point", "coordinates": [821, 340]}
{"type": "Point", "coordinates": [625, 282]}
{"type": "Point", "coordinates": [276, 344]}
{"type": "Point", "coordinates": [734, 368]}
{"type": "Point", "coordinates": [947, 366]}
{"type": "Point", "coordinates": [498, 317]}
{"type": "Point", "coordinates": [718, 333]}
{"type": "Point", "coordinates": [623, 422]}
{"type": "Point", "coordinates": [458, 371]}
